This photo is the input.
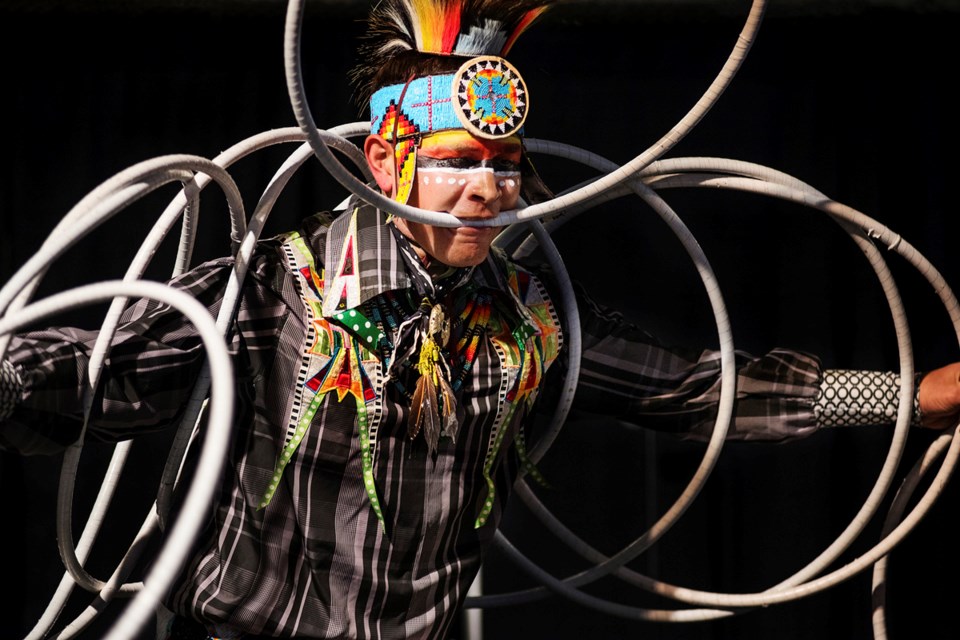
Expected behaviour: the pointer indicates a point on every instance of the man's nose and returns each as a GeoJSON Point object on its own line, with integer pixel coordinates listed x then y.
{"type": "Point", "coordinates": [483, 187]}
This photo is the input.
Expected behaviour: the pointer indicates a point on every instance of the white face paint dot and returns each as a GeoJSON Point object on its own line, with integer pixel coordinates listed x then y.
{"type": "Point", "coordinates": [512, 182]}
{"type": "Point", "coordinates": [451, 180]}
{"type": "Point", "coordinates": [462, 182]}
{"type": "Point", "coordinates": [502, 183]}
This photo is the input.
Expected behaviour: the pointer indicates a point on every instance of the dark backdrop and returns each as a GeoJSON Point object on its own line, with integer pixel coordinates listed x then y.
{"type": "Point", "coordinates": [855, 99]}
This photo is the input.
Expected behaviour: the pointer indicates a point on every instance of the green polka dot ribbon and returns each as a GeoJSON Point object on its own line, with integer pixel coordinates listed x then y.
{"type": "Point", "coordinates": [528, 466]}
{"type": "Point", "coordinates": [488, 467]}
{"type": "Point", "coordinates": [370, 334]}
{"type": "Point", "coordinates": [291, 447]}
{"type": "Point", "coordinates": [366, 458]}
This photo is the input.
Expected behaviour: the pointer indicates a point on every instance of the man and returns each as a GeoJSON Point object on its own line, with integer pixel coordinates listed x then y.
{"type": "Point", "coordinates": [386, 370]}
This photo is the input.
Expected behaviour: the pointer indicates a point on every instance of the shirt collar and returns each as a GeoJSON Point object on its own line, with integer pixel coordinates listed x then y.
{"type": "Point", "coordinates": [361, 259]}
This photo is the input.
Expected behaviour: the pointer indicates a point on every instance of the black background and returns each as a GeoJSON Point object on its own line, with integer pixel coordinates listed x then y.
{"type": "Point", "coordinates": [855, 99]}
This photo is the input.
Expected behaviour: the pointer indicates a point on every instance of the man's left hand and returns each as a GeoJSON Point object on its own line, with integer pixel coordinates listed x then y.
{"type": "Point", "coordinates": [940, 397]}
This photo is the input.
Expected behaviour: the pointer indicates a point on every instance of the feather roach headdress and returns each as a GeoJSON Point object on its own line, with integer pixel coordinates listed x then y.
{"type": "Point", "coordinates": [402, 33]}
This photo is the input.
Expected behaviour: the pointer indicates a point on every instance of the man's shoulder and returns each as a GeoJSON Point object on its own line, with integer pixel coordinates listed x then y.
{"type": "Point", "coordinates": [528, 279]}
{"type": "Point", "coordinates": [505, 263]}
{"type": "Point", "coordinates": [310, 236]}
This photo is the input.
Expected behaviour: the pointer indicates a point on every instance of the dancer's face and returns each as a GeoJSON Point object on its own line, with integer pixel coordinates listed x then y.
{"type": "Point", "coordinates": [468, 177]}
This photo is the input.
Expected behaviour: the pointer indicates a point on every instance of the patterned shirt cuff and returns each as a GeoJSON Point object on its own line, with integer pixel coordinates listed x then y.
{"type": "Point", "coordinates": [848, 398]}
{"type": "Point", "coordinates": [11, 389]}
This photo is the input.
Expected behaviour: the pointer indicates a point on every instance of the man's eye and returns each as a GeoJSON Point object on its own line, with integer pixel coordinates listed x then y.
{"type": "Point", "coordinates": [506, 166]}
{"type": "Point", "coordinates": [447, 163]}
{"type": "Point", "coordinates": [463, 163]}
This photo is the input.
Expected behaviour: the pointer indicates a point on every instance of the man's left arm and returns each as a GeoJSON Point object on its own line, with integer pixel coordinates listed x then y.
{"type": "Point", "coordinates": [781, 395]}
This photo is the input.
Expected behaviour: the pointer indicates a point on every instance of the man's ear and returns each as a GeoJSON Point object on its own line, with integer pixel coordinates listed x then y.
{"type": "Point", "coordinates": [380, 159]}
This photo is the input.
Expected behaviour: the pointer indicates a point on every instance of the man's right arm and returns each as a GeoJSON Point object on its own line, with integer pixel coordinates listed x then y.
{"type": "Point", "coordinates": [152, 366]}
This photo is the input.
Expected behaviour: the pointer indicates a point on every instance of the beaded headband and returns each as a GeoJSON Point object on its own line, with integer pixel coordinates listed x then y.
{"type": "Point", "coordinates": [486, 97]}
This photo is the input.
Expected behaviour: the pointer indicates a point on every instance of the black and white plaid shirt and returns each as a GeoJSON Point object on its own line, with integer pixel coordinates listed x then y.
{"type": "Point", "coordinates": [317, 561]}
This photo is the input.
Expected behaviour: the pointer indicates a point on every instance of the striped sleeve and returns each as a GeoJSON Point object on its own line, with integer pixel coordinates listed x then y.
{"type": "Point", "coordinates": [152, 366]}
{"type": "Point", "coordinates": [626, 373]}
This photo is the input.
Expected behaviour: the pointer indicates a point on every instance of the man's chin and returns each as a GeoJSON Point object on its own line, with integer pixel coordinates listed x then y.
{"type": "Point", "coordinates": [470, 259]}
